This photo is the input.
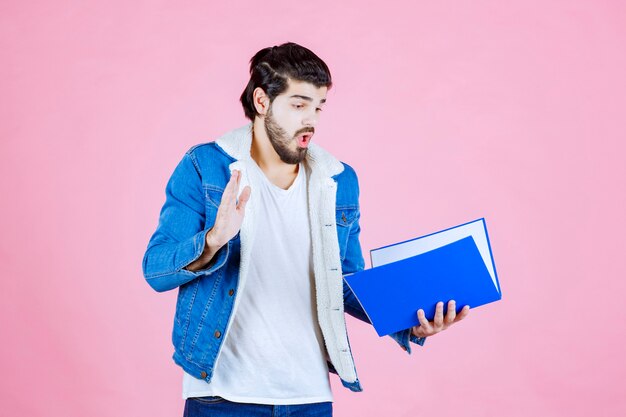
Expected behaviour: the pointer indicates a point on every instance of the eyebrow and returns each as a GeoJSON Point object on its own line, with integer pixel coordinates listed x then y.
{"type": "Point", "coordinates": [307, 98]}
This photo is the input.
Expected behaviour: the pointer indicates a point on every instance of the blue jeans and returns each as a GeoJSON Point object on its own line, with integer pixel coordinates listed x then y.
{"type": "Point", "coordinates": [218, 406]}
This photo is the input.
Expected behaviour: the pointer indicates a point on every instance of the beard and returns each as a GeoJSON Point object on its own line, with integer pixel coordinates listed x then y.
{"type": "Point", "coordinates": [280, 141]}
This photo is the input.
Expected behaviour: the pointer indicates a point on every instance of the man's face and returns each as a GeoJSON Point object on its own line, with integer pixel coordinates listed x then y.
{"type": "Point", "coordinates": [291, 118]}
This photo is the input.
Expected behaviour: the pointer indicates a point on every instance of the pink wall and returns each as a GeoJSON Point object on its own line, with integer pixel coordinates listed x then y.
{"type": "Point", "coordinates": [509, 110]}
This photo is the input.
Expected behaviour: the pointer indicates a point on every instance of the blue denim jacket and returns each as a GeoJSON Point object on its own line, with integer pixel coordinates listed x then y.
{"type": "Point", "coordinates": [207, 299]}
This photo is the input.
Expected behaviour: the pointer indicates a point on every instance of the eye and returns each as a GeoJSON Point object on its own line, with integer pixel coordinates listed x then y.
{"type": "Point", "coordinates": [298, 106]}
{"type": "Point", "coordinates": [318, 109]}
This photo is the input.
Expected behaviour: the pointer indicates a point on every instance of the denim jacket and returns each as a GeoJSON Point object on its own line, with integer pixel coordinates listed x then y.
{"type": "Point", "coordinates": [207, 299]}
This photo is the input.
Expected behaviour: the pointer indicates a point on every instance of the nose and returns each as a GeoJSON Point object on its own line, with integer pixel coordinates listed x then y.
{"type": "Point", "coordinates": [310, 121]}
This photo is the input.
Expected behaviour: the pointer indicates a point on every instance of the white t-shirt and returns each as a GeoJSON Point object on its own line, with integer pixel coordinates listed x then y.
{"type": "Point", "coordinates": [274, 351]}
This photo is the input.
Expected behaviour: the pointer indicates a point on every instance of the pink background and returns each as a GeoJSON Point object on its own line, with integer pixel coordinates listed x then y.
{"type": "Point", "coordinates": [449, 111]}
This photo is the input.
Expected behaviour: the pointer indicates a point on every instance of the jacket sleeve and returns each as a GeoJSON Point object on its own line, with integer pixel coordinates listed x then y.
{"type": "Point", "coordinates": [354, 262]}
{"type": "Point", "coordinates": [180, 236]}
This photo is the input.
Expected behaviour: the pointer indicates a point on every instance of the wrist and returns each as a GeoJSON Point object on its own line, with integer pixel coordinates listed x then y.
{"type": "Point", "coordinates": [212, 243]}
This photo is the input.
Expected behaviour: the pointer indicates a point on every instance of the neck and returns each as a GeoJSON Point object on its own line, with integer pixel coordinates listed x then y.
{"type": "Point", "coordinates": [264, 154]}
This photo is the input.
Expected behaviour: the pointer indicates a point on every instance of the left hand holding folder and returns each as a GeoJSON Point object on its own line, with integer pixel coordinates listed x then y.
{"type": "Point", "coordinates": [439, 323]}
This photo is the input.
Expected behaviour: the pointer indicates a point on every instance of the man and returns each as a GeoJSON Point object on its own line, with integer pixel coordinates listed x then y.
{"type": "Point", "coordinates": [257, 229]}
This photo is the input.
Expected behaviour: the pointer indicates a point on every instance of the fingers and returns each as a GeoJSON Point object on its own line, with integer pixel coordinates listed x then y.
{"type": "Point", "coordinates": [230, 193]}
{"type": "Point", "coordinates": [243, 198]}
{"type": "Point", "coordinates": [425, 324]}
{"type": "Point", "coordinates": [464, 312]}
{"type": "Point", "coordinates": [418, 331]}
{"type": "Point", "coordinates": [438, 320]}
{"type": "Point", "coordinates": [238, 180]}
{"type": "Point", "coordinates": [235, 187]}
{"type": "Point", "coordinates": [232, 188]}
{"type": "Point", "coordinates": [451, 314]}
{"type": "Point", "coordinates": [438, 324]}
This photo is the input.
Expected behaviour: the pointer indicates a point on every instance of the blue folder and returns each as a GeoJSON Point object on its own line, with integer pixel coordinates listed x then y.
{"type": "Point", "coordinates": [392, 293]}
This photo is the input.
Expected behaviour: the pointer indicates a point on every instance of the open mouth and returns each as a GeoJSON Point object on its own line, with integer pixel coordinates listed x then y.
{"type": "Point", "coordinates": [303, 140]}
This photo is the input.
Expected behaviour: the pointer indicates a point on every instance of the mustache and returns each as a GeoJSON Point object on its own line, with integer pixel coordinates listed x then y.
{"type": "Point", "coordinates": [305, 130]}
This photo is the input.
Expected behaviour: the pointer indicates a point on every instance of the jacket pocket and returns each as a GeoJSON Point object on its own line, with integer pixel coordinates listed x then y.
{"type": "Point", "coordinates": [213, 198]}
{"type": "Point", "coordinates": [213, 194]}
{"type": "Point", "coordinates": [345, 217]}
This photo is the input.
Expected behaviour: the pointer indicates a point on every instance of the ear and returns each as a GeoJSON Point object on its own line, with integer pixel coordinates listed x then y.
{"type": "Point", "coordinates": [261, 101]}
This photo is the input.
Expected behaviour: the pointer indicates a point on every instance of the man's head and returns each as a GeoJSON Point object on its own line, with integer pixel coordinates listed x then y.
{"type": "Point", "coordinates": [287, 88]}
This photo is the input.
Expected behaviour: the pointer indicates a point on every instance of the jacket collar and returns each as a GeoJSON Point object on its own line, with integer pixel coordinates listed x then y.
{"type": "Point", "coordinates": [238, 142]}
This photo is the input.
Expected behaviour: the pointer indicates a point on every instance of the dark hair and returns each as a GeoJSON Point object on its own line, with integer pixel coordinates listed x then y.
{"type": "Point", "coordinates": [270, 69]}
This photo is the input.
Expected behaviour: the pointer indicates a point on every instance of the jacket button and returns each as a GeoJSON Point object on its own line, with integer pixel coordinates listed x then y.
{"type": "Point", "coordinates": [231, 292]}
{"type": "Point", "coordinates": [203, 374]}
{"type": "Point", "coordinates": [217, 334]}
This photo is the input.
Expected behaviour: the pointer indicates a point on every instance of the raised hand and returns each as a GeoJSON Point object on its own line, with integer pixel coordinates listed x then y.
{"type": "Point", "coordinates": [229, 213]}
